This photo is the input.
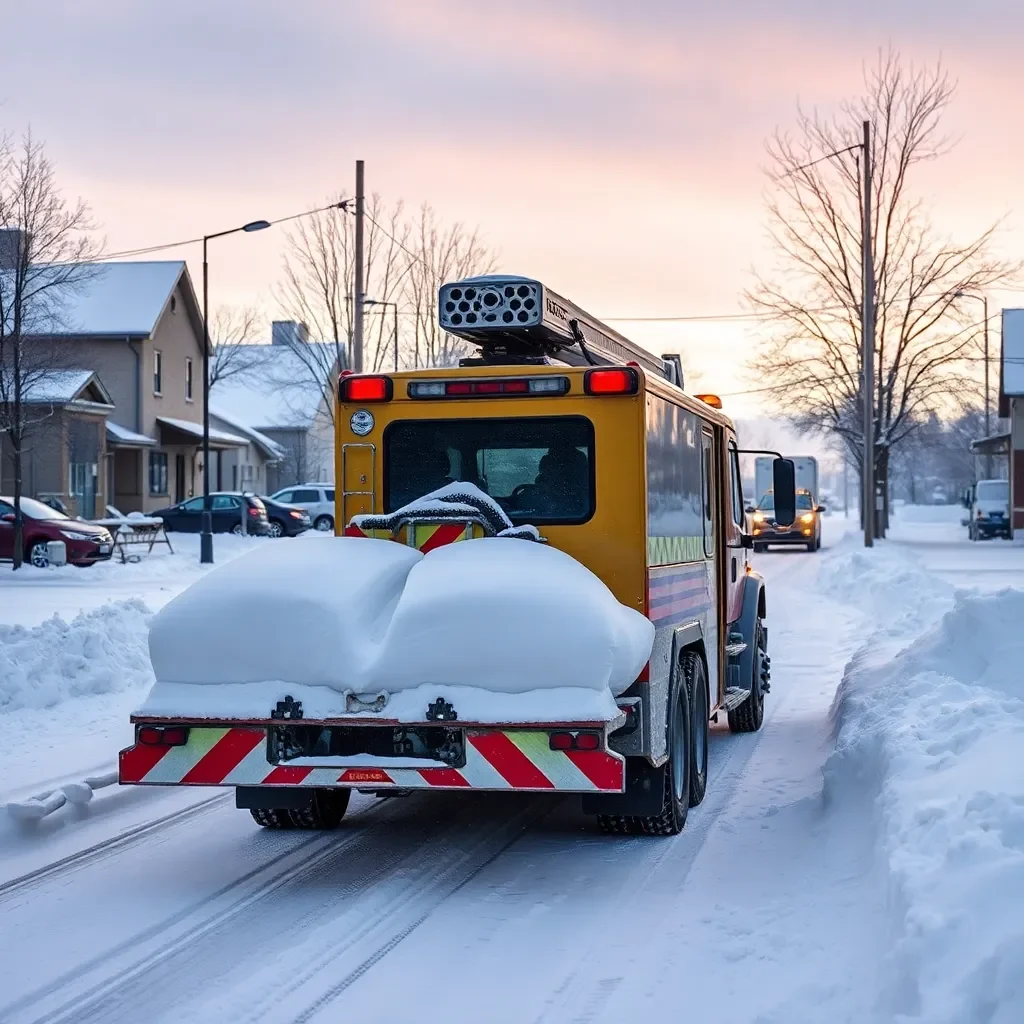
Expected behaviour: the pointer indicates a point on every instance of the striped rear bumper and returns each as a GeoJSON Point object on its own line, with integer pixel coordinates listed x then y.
{"type": "Point", "coordinates": [496, 759]}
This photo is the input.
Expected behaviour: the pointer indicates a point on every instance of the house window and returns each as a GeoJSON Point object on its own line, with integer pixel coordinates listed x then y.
{"type": "Point", "coordinates": [188, 380]}
{"type": "Point", "coordinates": [158, 472]}
{"type": "Point", "coordinates": [158, 373]}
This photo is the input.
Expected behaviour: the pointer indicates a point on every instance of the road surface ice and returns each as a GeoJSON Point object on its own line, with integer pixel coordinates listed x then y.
{"type": "Point", "coordinates": [861, 859]}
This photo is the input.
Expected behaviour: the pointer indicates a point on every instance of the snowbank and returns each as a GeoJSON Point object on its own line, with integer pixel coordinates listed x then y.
{"type": "Point", "coordinates": [498, 615]}
{"type": "Point", "coordinates": [102, 651]}
{"type": "Point", "coordinates": [939, 729]}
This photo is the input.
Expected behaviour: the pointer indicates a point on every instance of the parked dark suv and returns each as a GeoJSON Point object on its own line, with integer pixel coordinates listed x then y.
{"type": "Point", "coordinates": [225, 512]}
{"type": "Point", "coordinates": [84, 542]}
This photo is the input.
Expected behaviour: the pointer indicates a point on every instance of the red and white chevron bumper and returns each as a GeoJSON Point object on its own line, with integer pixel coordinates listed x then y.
{"type": "Point", "coordinates": [519, 759]}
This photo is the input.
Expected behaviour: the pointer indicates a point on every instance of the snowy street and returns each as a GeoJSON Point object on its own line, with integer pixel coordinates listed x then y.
{"type": "Point", "coordinates": [858, 859]}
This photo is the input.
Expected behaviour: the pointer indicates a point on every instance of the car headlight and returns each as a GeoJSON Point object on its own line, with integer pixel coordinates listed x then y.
{"type": "Point", "coordinates": [75, 535]}
{"type": "Point", "coordinates": [807, 517]}
{"type": "Point", "coordinates": [758, 517]}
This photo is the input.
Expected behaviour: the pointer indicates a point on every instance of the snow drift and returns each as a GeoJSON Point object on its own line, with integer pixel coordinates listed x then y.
{"type": "Point", "coordinates": [102, 651]}
{"type": "Point", "coordinates": [500, 616]}
{"type": "Point", "coordinates": [939, 730]}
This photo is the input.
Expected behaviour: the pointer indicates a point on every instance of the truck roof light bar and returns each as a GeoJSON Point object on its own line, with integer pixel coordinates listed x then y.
{"type": "Point", "coordinates": [502, 387]}
{"type": "Point", "coordinates": [514, 319]}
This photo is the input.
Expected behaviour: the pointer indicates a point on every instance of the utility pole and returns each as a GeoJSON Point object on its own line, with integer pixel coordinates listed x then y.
{"type": "Point", "coordinates": [357, 319]}
{"type": "Point", "coordinates": [988, 427]}
{"type": "Point", "coordinates": [867, 337]}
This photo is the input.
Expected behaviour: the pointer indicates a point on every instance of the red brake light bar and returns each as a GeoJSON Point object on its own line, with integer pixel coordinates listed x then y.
{"type": "Point", "coordinates": [163, 736]}
{"type": "Point", "coordinates": [500, 387]}
{"type": "Point", "coordinates": [612, 381]}
{"type": "Point", "coordinates": [365, 388]}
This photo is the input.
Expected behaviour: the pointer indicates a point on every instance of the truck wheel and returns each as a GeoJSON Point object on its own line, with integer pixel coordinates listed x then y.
{"type": "Point", "coordinates": [749, 715]}
{"type": "Point", "coordinates": [760, 548]}
{"type": "Point", "coordinates": [693, 667]}
{"type": "Point", "coordinates": [325, 811]}
{"type": "Point", "coordinates": [270, 819]}
{"type": "Point", "coordinates": [812, 547]}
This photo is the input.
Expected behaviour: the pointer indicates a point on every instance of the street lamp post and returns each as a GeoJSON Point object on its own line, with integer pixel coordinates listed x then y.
{"type": "Point", "coordinates": [983, 299]}
{"type": "Point", "coordinates": [206, 525]}
{"type": "Point", "coordinates": [394, 307]}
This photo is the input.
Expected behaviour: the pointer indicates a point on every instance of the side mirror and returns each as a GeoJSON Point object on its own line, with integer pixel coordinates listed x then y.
{"type": "Point", "coordinates": [821, 508]}
{"type": "Point", "coordinates": [784, 490]}
{"type": "Point", "coordinates": [750, 508]}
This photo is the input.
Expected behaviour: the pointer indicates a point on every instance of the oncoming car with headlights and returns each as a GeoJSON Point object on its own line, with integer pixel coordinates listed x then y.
{"type": "Point", "coordinates": [805, 531]}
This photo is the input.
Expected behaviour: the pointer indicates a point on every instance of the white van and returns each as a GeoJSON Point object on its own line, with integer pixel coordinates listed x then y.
{"type": "Point", "coordinates": [989, 504]}
{"type": "Point", "coordinates": [316, 499]}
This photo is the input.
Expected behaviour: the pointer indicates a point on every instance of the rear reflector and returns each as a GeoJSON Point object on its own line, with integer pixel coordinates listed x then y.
{"type": "Point", "coordinates": [561, 741]}
{"type": "Point", "coordinates": [359, 388]}
{"type": "Point", "coordinates": [501, 387]}
{"type": "Point", "coordinates": [160, 736]}
{"type": "Point", "coordinates": [617, 381]}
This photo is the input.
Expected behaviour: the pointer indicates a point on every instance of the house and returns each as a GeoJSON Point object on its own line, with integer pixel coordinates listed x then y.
{"type": "Point", "coordinates": [244, 469]}
{"type": "Point", "coordinates": [285, 394]}
{"type": "Point", "coordinates": [137, 326]}
{"type": "Point", "coordinates": [66, 416]}
{"type": "Point", "coordinates": [1011, 406]}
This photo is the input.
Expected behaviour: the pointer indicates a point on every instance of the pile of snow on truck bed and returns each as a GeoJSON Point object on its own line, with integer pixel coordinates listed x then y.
{"type": "Point", "coordinates": [506, 629]}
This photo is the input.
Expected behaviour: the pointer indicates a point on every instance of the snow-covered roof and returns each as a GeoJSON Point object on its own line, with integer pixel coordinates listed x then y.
{"type": "Point", "coordinates": [271, 448]}
{"type": "Point", "coordinates": [196, 430]}
{"type": "Point", "coordinates": [282, 391]}
{"type": "Point", "coordinates": [115, 299]}
{"type": "Point", "coordinates": [61, 387]}
{"type": "Point", "coordinates": [122, 435]}
{"type": "Point", "coordinates": [1013, 352]}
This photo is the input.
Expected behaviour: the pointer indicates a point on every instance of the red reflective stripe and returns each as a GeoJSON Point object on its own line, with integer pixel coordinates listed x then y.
{"type": "Point", "coordinates": [225, 755]}
{"type": "Point", "coordinates": [135, 763]}
{"type": "Point", "coordinates": [443, 777]}
{"type": "Point", "coordinates": [603, 770]}
{"type": "Point", "coordinates": [443, 535]}
{"type": "Point", "coordinates": [286, 775]}
{"type": "Point", "coordinates": [511, 763]}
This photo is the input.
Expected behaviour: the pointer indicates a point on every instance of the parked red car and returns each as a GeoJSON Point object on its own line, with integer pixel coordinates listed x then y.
{"type": "Point", "coordinates": [85, 543]}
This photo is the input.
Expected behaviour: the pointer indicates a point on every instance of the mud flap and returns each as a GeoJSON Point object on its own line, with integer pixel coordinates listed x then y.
{"type": "Point", "coordinates": [273, 798]}
{"type": "Point", "coordinates": [644, 795]}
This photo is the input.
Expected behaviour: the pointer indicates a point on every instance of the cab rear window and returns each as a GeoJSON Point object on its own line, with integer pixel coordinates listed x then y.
{"type": "Point", "coordinates": [539, 469]}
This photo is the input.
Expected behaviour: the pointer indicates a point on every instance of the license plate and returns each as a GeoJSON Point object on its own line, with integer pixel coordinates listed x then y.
{"type": "Point", "coordinates": [104, 549]}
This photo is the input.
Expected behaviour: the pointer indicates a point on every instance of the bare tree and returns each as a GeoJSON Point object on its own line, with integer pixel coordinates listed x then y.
{"type": "Point", "coordinates": [233, 330]}
{"type": "Point", "coordinates": [925, 340]}
{"type": "Point", "coordinates": [46, 254]}
{"type": "Point", "coordinates": [405, 265]}
{"type": "Point", "coordinates": [436, 255]}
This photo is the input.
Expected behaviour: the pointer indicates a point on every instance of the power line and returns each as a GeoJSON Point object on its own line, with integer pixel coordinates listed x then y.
{"type": "Point", "coordinates": [341, 204]}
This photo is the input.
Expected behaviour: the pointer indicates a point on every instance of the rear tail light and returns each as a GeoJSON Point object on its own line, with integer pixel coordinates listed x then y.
{"type": "Point", "coordinates": [613, 381]}
{"type": "Point", "coordinates": [365, 388]}
{"type": "Point", "coordinates": [163, 736]}
{"type": "Point", "coordinates": [575, 741]}
{"type": "Point", "coordinates": [498, 388]}
{"type": "Point", "coordinates": [254, 511]}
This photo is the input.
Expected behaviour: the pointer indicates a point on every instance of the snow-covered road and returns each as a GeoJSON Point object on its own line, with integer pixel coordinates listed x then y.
{"type": "Point", "coordinates": [776, 904]}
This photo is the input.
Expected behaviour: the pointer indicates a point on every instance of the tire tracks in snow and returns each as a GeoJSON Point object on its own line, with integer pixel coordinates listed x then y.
{"type": "Point", "coordinates": [106, 848]}
{"type": "Point", "coordinates": [297, 928]}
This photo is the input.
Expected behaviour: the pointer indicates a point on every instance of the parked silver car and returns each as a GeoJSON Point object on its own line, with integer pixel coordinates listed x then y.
{"type": "Point", "coordinates": [316, 499]}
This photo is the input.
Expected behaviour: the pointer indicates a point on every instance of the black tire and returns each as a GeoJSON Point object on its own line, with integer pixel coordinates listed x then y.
{"type": "Point", "coordinates": [697, 684]}
{"type": "Point", "coordinates": [324, 523]}
{"type": "Point", "coordinates": [325, 811]}
{"type": "Point", "coordinates": [38, 554]}
{"type": "Point", "coordinates": [760, 548]}
{"type": "Point", "coordinates": [749, 715]}
{"type": "Point", "coordinates": [812, 547]}
{"type": "Point", "coordinates": [619, 824]}
{"type": "Point", "coordinates": [275, 528]}
{"type": "Point", "coordinates": [270, 818]}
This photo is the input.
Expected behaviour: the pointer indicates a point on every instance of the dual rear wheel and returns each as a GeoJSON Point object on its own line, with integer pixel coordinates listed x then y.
{"type": "Point", "coordinates": [325, 811]}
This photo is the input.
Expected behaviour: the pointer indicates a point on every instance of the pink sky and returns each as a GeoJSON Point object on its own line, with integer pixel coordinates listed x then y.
{"type": "Point", "coordinates": [610, 149]}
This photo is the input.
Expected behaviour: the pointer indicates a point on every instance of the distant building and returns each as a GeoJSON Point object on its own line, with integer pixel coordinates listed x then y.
{"type": "Point", "coordinates": [1011, 406]}
{"type": "Point", "coordinates": [285, 395]}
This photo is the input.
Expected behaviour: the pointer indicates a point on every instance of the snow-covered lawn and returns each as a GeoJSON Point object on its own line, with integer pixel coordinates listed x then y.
{"type": "Point", "coordinates": [859, 860]}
